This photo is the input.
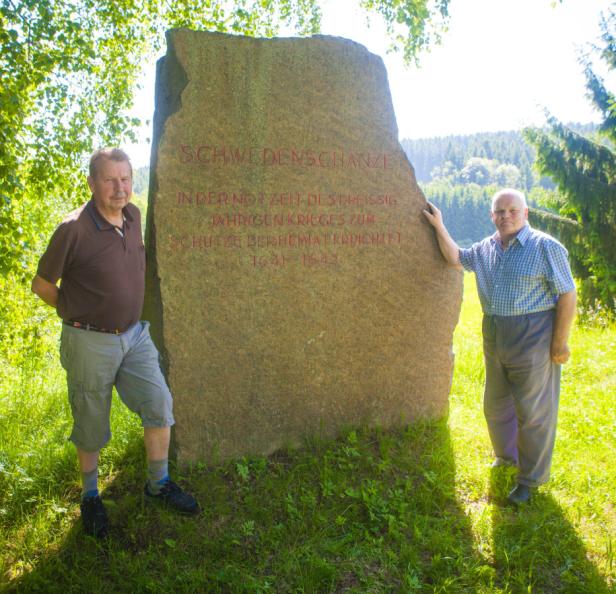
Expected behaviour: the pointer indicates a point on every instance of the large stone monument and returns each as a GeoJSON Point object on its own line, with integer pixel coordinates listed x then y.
{"type": "Point", "coordinates": [294, 288]}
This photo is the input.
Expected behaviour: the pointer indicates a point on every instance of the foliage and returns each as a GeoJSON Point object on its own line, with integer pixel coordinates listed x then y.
{"type": "Point", "coordinates": [68, 70]}
{"type": "Point", "coordinates": [26, 332]}
{"type": "Point", "coordinates": [584, 170]}
{"type": "Point", "coordinates": [141, 181]}
{"type": "Point", "coordinates": [448, 156]}
{"type": "Point", "coordinates": [414, 25]}
{"type": "Point", "coordinates": [413, 509]}
{"type": "Point", "coordinates": [484, 172]}
{"type": "Point", "coordinates": [506, 159]}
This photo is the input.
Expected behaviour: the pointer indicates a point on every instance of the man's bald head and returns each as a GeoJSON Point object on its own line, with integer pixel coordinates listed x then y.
{"type": "Point", "coordinates": [509, 213]}
{"type": "Point", "coordinates": [511, 193]}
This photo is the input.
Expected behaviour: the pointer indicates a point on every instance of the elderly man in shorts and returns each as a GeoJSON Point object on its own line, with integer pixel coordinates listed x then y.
{"type": "Point", "coordinates": [528, 299]}
{"type": "Point", "coordinates": [98, 256]}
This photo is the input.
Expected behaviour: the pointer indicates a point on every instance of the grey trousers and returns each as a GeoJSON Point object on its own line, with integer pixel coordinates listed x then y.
{"type": "Point", "coordinates": [521, 392]}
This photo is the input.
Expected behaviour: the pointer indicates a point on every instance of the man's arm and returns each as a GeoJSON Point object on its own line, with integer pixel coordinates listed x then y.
{"type": "Point", "coordinates": [565, 312]}
{"type": "Point", "coordinates": [449, 248]}
{"type": "Point", "coordinates": [47, 291]}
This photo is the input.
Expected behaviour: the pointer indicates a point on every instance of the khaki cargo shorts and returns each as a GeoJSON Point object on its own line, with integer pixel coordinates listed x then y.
{"type": "Point", "coordinates": [94, 363]}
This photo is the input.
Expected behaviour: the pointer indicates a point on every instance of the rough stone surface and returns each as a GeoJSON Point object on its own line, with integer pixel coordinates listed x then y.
{"type": "Point", "coordinates": [294, 287]}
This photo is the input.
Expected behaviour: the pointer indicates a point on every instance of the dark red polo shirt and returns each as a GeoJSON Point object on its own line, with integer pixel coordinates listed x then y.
{"type": "Point", "coordinates": [102, 272]}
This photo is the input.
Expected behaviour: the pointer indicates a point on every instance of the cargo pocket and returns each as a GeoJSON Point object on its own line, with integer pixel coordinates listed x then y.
{"type": "Point", "coordinates": [90, 410]}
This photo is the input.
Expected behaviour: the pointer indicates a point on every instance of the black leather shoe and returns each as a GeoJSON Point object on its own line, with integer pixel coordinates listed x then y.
{"type": "Point", "coordinates": [174, 497]}
{"type": "Point", "coordinates": [94, 517]}
{"type": "Point", "coordinates": [520, 494]}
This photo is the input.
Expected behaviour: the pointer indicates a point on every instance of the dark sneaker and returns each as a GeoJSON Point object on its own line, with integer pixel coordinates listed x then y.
{"type": "Point", "coordinates": [520, 494]}
{"type": "Point", "coordinates": [94, 517]}
{"type": "Point", "coordinates": [172, 495]}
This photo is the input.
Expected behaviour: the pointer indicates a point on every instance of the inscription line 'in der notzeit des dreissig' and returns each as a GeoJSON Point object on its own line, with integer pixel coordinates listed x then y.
{"type": "Point", "coordinates": [224, 198]}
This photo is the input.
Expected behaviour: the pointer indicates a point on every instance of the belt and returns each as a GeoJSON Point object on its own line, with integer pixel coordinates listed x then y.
{"type": "Point", "coordinates": [83, 326]}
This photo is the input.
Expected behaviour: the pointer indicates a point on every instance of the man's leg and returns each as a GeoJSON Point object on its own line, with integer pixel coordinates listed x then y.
{"type": "Point", "coordinates": [498, 403]}
{"type": "Point", "coordinates": [536, 385]}
{"type": "Point", "coordinates": [93, 514]}
{"type": "Point", "coordinates": [537, 408]}
{"type": "Point", "coordinates": [91, 360]}
{"type": "Point", "coordinates": [143, 389]}
{"type": "Point", "coordinates": [88, 465]}
{"type": "Point", "coordinates": [156, 440]}
{"type": "Point", "coordinates": [538, 412]}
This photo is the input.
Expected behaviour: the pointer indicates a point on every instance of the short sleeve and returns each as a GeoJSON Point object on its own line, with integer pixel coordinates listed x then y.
{"type": "Point", "coordinates": [559, 273]}
{"type": "Point", "coordinates": [57, 256]}
{"type": "Point", "coordinates": [468, 258]}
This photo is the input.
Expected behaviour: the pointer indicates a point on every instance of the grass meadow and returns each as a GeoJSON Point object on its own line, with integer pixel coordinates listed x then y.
{"type": "Point", "coordinates": [417, 509]}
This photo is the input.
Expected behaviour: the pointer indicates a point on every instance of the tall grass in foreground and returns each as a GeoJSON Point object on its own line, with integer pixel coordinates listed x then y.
{"type": "Point", "coordinates": [415, 509]}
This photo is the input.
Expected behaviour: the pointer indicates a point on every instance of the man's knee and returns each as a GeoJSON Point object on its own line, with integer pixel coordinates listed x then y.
{"type": "Point", "coordinates": [157, 411]}
{"type": "Point", "coordinates": [497, 401]}
{"type": "Point", "coordinates": [90, 437]}
{"type": "Point", "coordinates": [142, 386]}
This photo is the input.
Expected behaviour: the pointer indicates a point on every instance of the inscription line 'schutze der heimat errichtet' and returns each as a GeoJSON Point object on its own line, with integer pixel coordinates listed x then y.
{"type": "Point", "coordinates": [336, 159]}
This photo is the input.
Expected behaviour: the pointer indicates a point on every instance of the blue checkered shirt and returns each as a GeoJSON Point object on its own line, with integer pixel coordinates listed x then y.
{"type": "Point", "coordinates": [525, 278]}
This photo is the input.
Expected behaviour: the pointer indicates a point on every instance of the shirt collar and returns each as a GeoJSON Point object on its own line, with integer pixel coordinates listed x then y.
{"type": "Point", "coordinates": [101, 222]}
{"type": "Point", "coordinates": [523, 234]}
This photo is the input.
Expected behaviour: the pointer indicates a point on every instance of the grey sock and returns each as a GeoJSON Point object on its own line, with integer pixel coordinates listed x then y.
{"type": "Point", "coordinates": [158, 473]}
{"type": "Point", "coordinates": [89, 483]}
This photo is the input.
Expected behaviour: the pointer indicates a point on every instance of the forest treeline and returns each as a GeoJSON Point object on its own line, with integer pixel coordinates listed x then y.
{"type": "Point", "coordinates": [500, 158]}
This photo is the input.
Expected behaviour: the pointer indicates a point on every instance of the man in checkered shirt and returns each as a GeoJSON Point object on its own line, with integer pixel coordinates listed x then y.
{"type": "Point", "coordinates": [528, 298]}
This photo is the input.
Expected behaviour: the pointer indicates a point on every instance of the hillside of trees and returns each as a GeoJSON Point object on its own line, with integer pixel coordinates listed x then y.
{"type": "Point", "coordinates": [501, 158]}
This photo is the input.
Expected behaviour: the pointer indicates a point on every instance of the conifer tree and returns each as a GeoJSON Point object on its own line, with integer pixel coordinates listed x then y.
{"type": "Point", "coordinates": [584, 170]}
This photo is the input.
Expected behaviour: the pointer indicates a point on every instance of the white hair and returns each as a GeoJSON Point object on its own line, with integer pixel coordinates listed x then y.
{"type": "Point", "coordinates": [509, 192]}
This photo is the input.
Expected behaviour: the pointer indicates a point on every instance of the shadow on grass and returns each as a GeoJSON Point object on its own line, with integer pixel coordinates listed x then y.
{"type": "Point", "coordinates": [536, 548]}
{"type": "Point", "coordinates": [373, 511]}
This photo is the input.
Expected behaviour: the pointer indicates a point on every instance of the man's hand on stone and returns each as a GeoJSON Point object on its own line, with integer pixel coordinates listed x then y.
{"type": "Point", "coordinates": [449, 248]}
{"type": "Point", "coordinates": [433, 215]}
{"type": "Point", "coordinates": [559, 352]}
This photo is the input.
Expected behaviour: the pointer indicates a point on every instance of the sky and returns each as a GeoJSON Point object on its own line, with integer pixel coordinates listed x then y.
{"type": "Point", "coordinates": [500, 65]}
